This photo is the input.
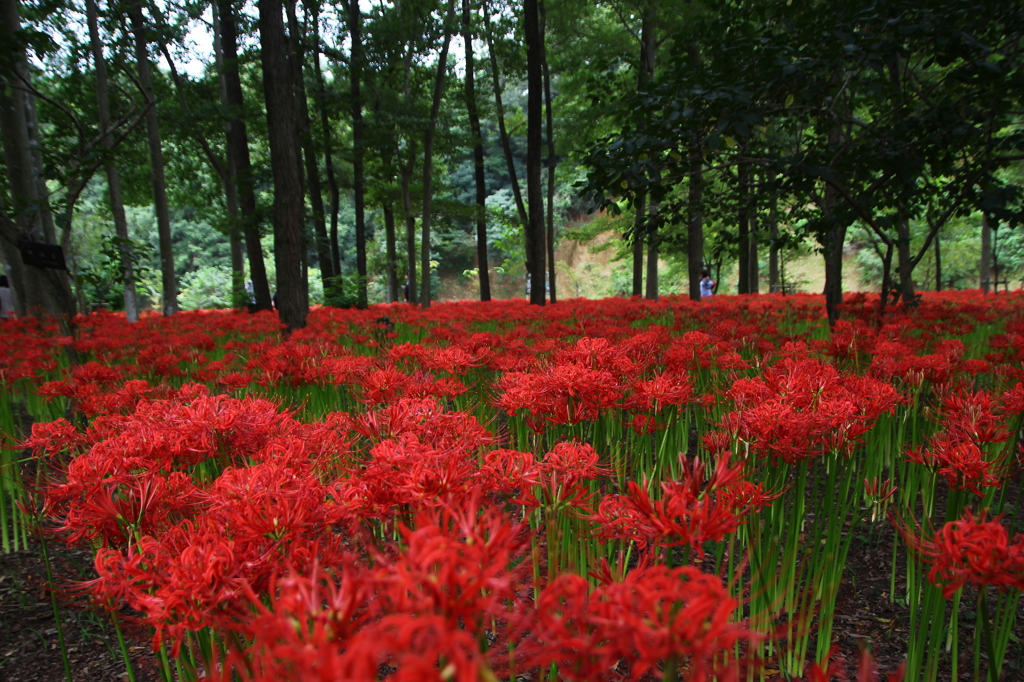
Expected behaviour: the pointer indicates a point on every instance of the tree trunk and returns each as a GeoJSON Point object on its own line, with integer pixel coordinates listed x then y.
{"type": "Point", "coordinates": [985, 266]}
{"type": "Point", "coordinates": [289, 233]}
{"type": "Point", "coordinates": [886, 280]}
{"type": "Point", "coordinates": [904, 262]}
{"type": "Point", "coordinates": [835, 238]}
{"type": "Point", "coordinates": [410, 225]}
{"type": "Point", "coordinates": [320, 97]}
{"type": "Point", "coordinates": [938, 264]}
{"type": "Point", "coordinates": [428, 156]}
{"type": "Point", "coordinates": [550, 134]}
{"type": "Point", "coordinates": [113, 179]}
{"type": "Point", "coordinates": [773, 248]}
{"type": "Point", "coordinates": [483, 272]}
{"type": "Point", "coordinates": [314, 190]}
{"type": "Point", "coordinates": [35, 290]}
{"type": "Point", "coordinates": [355, 28]}
{"type": "Point", "coordinates": [743, 228]}
{"type": "Point", "coordinates": [652, 254]}
{"type": "Point", "coordinates": [639, 227]}
{"type": "Point", "coordinates": [534, 140]}
{"type": "Point", "coordinates": [240, 297]}
{"type": "Point", "coordinates": [238, 161]}
{"type": "Point", "coordinates": [695, 221]}
{"type": "Point", "coordinates": [506, 145]}
{"type": "Point", "coordinates": [753, 263]}
{"type": "Point", "coordinates": [392, 254]}
{"type": "Point", "coordinates": [156, 161]}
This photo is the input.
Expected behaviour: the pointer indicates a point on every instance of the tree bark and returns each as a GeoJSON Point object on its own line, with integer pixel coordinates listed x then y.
{"type": "Point", "coordinates": [289, 233]}
{"type": "Point", "coordinates": [639, 227]}
{"type": "Point", "coordinates": [355, 28]}
{"type": "Point", "coordinates": [483, 272]}
{"type": "Point", "coordinates": [550, 134]}
{"type": "Point", "coordinates": [499, 111]}
{"type": "Point", "coordinates": [938, 264]}
{"type": "Point", "coordinates": [113, 179]}
{"type": "Point", "coordinates": [753, 262]}
{"type": "Point", "coordinates": [314, 189]}
{"type": "Point", "coordinates": [320, 96]}
{"type": "Point", "coordinates": [743, 228]}
{"type": "Point", "coordinates": [410, 225]}
{"type": "Point", "coordinates": [156, 162]}
{"type": "Point", "coordinates": [695, 221]}
{"type": "Point", "coordinates": [240, 297]}
{"type": "Point", "coordinates": [392, 253]}
{"type": "Point", "coordinates": [534, 140]}
{"type": "Point", "coordinates": [35, 290]}
{"type": "Point", "coordinates": [651, 293]}
{"type": "Point", "coordinates": [985, 266]}
{"type": "Point", "coordinates": [428, 156]}
{"type": "Point", "coordinates": [238, 161]}
{"type": "Point", "coordinates": [904, 262]}
{"type": "Point", "coordinates": [773, 247]}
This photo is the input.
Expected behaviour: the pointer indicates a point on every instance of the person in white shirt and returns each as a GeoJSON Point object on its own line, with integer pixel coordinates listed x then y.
{"type": "Point", "coordinates": [707, 285]}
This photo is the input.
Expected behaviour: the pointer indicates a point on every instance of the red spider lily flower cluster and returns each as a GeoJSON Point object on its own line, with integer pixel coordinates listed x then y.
{"type": "Point", "coordinates": [971, 550]}
{"type": "Point", "coordinates": [801, 409]}
{"type": "Point", "coordinates": [690, 512]}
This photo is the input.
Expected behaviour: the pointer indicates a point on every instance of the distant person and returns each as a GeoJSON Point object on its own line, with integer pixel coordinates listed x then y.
{"type": "Point", "coordinates": [405, 288]}
{"type": "Point", "coordinates": [707, 285]}
{"type": "Point", "coordinates": [6, 299]}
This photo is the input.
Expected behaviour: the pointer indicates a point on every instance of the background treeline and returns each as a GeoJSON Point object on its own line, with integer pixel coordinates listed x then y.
{"type": "Point", "coordinates": [205, 154]}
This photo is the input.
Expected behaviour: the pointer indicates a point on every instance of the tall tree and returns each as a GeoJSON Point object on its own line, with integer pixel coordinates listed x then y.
{"type": "Point", "coordinates": [428, 153]}
{"type": "Point", "coordinates": [27, 214]}
{"type": "Point", "coordinates": [156, 160]}
{"type": "Point", "coordinates": [355, 69]}
{"type": "Point", "coordinates": [535, 246]}
{"type": "Point", "coordinates": [238, 159]}
{"type": "Point", "coordinates": [282, 131]}
{"type": "Point", "coordinates": [549, 122]}
{"type": "Point", "coordinates": [113, 179]}
{"type": "Point", "coordinates": [479, 178]}
{"type": "Point", "coordinates": [314, 189]}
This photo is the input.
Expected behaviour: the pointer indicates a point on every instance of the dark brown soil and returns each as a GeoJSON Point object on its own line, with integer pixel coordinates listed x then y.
{"type": "Point", "coordinates": [29, 643]}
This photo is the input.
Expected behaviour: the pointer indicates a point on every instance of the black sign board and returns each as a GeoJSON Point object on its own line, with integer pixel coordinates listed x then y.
{"type": "Point", "coordinates": [42, 255]}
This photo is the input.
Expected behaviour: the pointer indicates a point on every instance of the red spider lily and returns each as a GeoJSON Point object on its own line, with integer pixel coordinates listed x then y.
{"type": "Point", "coordinates": [690, 511]}
{"type": "Point", "coordinates": [664, 390]}
{"type": "Point", "coordinates": [973, 550]}
{"type": "Point", "coordinates": [507, 471]}
{"type": "Point", "coordinates": [962, 464]}
{"type": "Point", "coordinates": [51, 438]}
{"type": "Point", "coordinates": [653, 615]}
{"type": "Point", "coordinates": [563, 394]}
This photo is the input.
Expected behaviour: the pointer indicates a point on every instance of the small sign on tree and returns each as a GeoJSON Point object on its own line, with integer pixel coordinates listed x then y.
{"type": "Point", "coordinates": [42, 255]}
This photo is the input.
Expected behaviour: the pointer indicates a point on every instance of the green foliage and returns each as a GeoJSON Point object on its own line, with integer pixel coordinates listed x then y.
{"type": "Point", "coordinates": [102, 285]}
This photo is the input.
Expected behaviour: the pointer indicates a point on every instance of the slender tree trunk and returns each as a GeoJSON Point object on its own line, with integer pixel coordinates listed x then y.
{"type": "Point", "coordinates": [639, 228]}
{"type": "Point", "coordinates": [320, 96]}
{"type": "Point", "coordinates": [428, 156]}
{"type": "Point", "coordinates": [406, 182]}
{"type": "Point", "coordinates": [392, 254]}
{"type": "Point", "coordinates": [355, 29]}
{"type": "Point", "coordinates": [314, 190]}
{"type": "Point", "coordinates": [651, 293]}
{"type": "Point", "coordinates": [773, 248]}
{"type": "Point", "coordinates": [410, 225]}
{"type": "Point", "coordinates": [238, 161]}
{"type": "Point", "coordinates": [240, 297]}
{"type": "Point", "coordinates": [985, 267]}
{"type": "Point", "coordinates": [506, 145]}
{"type": "Point", "coordinates": [534, 141]}
{"type": "Point", "coordinates": [483, 272]}
{"type": "Point", "coordinates": [743, 228]}
{"type": "Point", "coordinates": [753, 261]}
{"type": "Point", "coordinates": [289, 232]}
{"type": "Point", "coordinates": [695, 221]}
{"type": "Point", "coordinates": [549, 230]}
{"type": "Point", "coordinates": [113, 179]}
{"type": "Point", "coordinates": [938, 264]}
{"type": "Point", "coordinates": [886, 279]}
{"type": "Point", "coordinates": [156, 162]}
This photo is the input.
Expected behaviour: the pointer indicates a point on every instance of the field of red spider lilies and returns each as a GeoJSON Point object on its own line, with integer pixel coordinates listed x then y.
{"type": "Point", "coordinates": [595, 490]}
